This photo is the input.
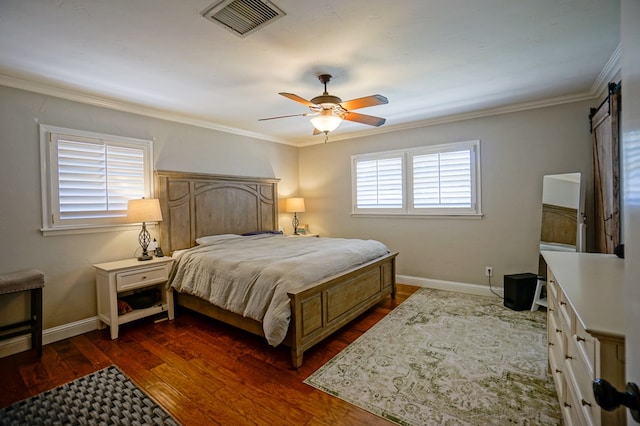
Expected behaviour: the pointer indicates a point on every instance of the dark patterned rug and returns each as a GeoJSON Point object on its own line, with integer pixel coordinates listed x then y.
{"type": "Point", "coordinates": [106, 397]}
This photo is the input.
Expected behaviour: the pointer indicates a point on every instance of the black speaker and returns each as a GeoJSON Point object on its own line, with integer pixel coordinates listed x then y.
{"type": "Point", "coordinates": [519, 290]}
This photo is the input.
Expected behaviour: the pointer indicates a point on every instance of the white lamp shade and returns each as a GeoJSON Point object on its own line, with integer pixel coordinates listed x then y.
{"type": "Point", "coordinates": [144, 210]}
{"type": "Point", "coordinates": [294, 205]}
{"type": "Point", "coordinates": [326, 121]}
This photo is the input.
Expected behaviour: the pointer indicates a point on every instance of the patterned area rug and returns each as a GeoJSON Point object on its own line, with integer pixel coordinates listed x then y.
{"type": "Point", "coordinates": [444, 358]}
{"type": "Point", "coordinates": [106, 397]}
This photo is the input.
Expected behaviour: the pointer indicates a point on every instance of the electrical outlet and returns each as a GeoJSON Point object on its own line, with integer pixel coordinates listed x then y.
{"type": "Point", "coordinates": [488, 271]}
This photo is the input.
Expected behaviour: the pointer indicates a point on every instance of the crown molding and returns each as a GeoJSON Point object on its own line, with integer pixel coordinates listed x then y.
{"type": "Point", "coordinates": [74, 95]}
{"type": "Point", "coordinates": [599, 86]}
{"type": "Point", "coordinates": [544, 103]}
{"type": "Point", "coordinates": [608, 73]}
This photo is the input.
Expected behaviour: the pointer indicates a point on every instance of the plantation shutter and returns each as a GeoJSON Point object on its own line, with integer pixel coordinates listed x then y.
{"type": "Point", "coordinates": [433, 180]}
{"type": "Point", "coordinates": [442, 180]}
{"type": "Point", "coordinates": [95, 178]}
{"type": "Point", "coordinates": [379, 183]}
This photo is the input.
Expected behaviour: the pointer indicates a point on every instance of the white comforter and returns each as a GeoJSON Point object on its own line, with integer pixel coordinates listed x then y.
{"type": "Point", "coordinates": [251, 275]}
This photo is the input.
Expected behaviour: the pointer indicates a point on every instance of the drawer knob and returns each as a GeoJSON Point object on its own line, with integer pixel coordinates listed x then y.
{"type": "Point", "coordinates": [558, 330]}
{"type": "Point", "coordinates": [583, 402]}
{"type": "Point", "coordinates": [580, 339]}
{"type": "Point", "coordinates": [144, 277]}
{"type": "Point", "coordinates": [563, 303]}
{"type": "Point", "coordinates": [550, 343]}
{"type": "Point", "coordinates": [609, 398]}
{"type": "Point", "coordinates": [566, 404]}
{"type": "Point", "coordinates": [568, 357]}
{"type": "Point", "coordinates": [558, 371]}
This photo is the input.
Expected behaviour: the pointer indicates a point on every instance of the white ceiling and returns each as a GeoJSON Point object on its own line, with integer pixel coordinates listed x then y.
{"type": "Point", "coordinates": [433, 59]}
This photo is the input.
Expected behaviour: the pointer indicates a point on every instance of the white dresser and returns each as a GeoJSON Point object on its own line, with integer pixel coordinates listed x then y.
{"type": "Point", "coordinates": [585, 324]}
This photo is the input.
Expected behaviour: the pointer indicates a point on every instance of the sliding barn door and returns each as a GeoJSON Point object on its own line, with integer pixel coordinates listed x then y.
{"type": "Point", "coordinates": [606, 173]}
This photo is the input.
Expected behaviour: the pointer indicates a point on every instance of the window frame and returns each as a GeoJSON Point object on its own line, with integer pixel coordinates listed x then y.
{"type": "Point", "coordinates": [51, 222]}
{"type": "Point", "coordinates": [408, 209]}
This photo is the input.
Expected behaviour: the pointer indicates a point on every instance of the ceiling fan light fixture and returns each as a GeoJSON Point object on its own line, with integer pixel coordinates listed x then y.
{"type": "Point", "coordinates": [326, 121]}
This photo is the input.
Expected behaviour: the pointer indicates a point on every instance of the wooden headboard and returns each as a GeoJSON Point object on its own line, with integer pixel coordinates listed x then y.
{"type": "Point", "coordinates": [195, 205]}
{"type": "Point", "coordinates": [559, 224]}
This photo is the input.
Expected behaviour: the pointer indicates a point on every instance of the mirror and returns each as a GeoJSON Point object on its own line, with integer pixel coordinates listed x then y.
{"type": "Point", "coordinates": [563, 227]}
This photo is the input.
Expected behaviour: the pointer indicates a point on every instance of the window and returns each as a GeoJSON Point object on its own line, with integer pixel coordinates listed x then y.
{"type": "Point", "coordinates": [90, 177]}
{"type": "Point", "coordinates": [433, 180]}
{"type": "Point", "coordinates": [379, 183]}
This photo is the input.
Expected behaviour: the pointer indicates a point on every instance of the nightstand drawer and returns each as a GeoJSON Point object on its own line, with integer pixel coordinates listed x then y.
{"type": "Point", "coordinates": [134, 279]}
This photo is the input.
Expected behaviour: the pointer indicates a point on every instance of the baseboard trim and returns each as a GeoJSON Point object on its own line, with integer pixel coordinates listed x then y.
{"type": "Point", "coordinates": [65, 331]}
{"type": "Point", "coordinates": [477, 289]}
{"type": "Point", "coordinates": [50, 335]}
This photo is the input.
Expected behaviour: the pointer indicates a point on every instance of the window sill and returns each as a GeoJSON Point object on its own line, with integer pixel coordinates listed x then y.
{"type": "Point", "coordinates": [419, 216]}
{"type": "Point", "coordinates": [70, 230]}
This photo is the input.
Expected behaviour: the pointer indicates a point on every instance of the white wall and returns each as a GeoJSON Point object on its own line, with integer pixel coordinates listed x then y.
{"type": "Point", "coordinates": [66, 260]}
{"type": "Point", "coordinates": [517, 150]}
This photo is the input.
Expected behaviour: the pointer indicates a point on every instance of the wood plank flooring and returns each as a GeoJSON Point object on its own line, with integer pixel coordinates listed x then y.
{"type": "Point", "coordinates": [202, 371]}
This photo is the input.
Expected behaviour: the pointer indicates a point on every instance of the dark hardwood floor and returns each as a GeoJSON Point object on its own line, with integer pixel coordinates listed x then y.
{"type": "Point", "coordinates": [203, 372]}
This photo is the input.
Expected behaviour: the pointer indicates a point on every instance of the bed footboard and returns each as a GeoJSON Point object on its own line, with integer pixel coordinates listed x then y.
{"type": "Point", "coordinates": [322, 308]}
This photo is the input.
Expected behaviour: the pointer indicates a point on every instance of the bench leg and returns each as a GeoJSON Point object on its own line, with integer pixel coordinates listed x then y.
{"type": "Point", "coordinates": [36, 320]}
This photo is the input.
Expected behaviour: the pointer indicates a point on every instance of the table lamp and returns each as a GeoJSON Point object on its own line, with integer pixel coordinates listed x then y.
{"type": "Point", "coordinates": [294, 205]}
{"type": "Point", "coordinates": [144, 210]}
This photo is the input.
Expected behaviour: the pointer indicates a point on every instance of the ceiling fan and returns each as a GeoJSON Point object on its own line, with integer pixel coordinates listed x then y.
{"type": "Point", "coordinates": [328, 111]}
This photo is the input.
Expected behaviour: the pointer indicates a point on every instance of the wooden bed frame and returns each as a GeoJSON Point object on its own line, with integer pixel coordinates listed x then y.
{"type": "Point", "coordinates": [195, 205]}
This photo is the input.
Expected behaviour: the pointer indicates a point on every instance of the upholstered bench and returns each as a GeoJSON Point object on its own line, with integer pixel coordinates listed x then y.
{"type": "Point", "coordinates": [31, 280]}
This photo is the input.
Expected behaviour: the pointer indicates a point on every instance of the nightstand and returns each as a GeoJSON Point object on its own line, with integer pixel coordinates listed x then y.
{"type": "Point", "coordinates": [118, 278]}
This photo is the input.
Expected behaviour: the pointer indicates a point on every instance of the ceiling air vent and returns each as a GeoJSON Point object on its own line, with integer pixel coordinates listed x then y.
{"type": "Point", "coordinates": [243, 17]}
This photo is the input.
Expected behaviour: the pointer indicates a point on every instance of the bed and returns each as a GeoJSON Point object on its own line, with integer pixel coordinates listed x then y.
{"type": "Point", "coordinates": [202, 205]}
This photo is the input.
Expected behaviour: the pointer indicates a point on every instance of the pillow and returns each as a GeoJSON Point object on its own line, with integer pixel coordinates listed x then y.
{"type": "Point", "coordinates": [246, 234]}
{"type": "Point", "coordinates": [209, 239]}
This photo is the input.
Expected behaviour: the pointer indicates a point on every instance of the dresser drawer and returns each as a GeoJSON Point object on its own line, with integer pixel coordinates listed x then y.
{"type": "Point", "coordinates": [556, 369]}
{"type": "Point", "coordinates": [586, 346]}
{"type": "Point", "coordinates": [565, 312]}
{"type": "Point", "coordinates": [556, 352]}
{"type": "Point", "coordinates": [552, 286]}
{"type": "Point", "coordinates": [571, 409]}
{"type": "Point", "coordinates": [552, 306]}
{"type": "Point", "coordinates": [556, 341]}
{"type": "Point", "coordinates": [581, 379]}
{"type": "Point", "coordinates": [585, 399]}
{"type": "Point", "coordinates": [140, 278]}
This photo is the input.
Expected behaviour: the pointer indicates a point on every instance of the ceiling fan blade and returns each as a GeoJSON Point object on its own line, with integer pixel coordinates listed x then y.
{"type": "Point", "coordinates": [365, 119]}
{"type": "Point", "coordinates": [367, 101]}
{"type": "Point", "coordinates": [286, 116]}
{"type": "Point", "coordinates": [297, 99]}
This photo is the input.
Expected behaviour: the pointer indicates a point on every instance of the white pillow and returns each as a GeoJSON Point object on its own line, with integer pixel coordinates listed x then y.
{"type": "Point", "coordinates": [210, 239]}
